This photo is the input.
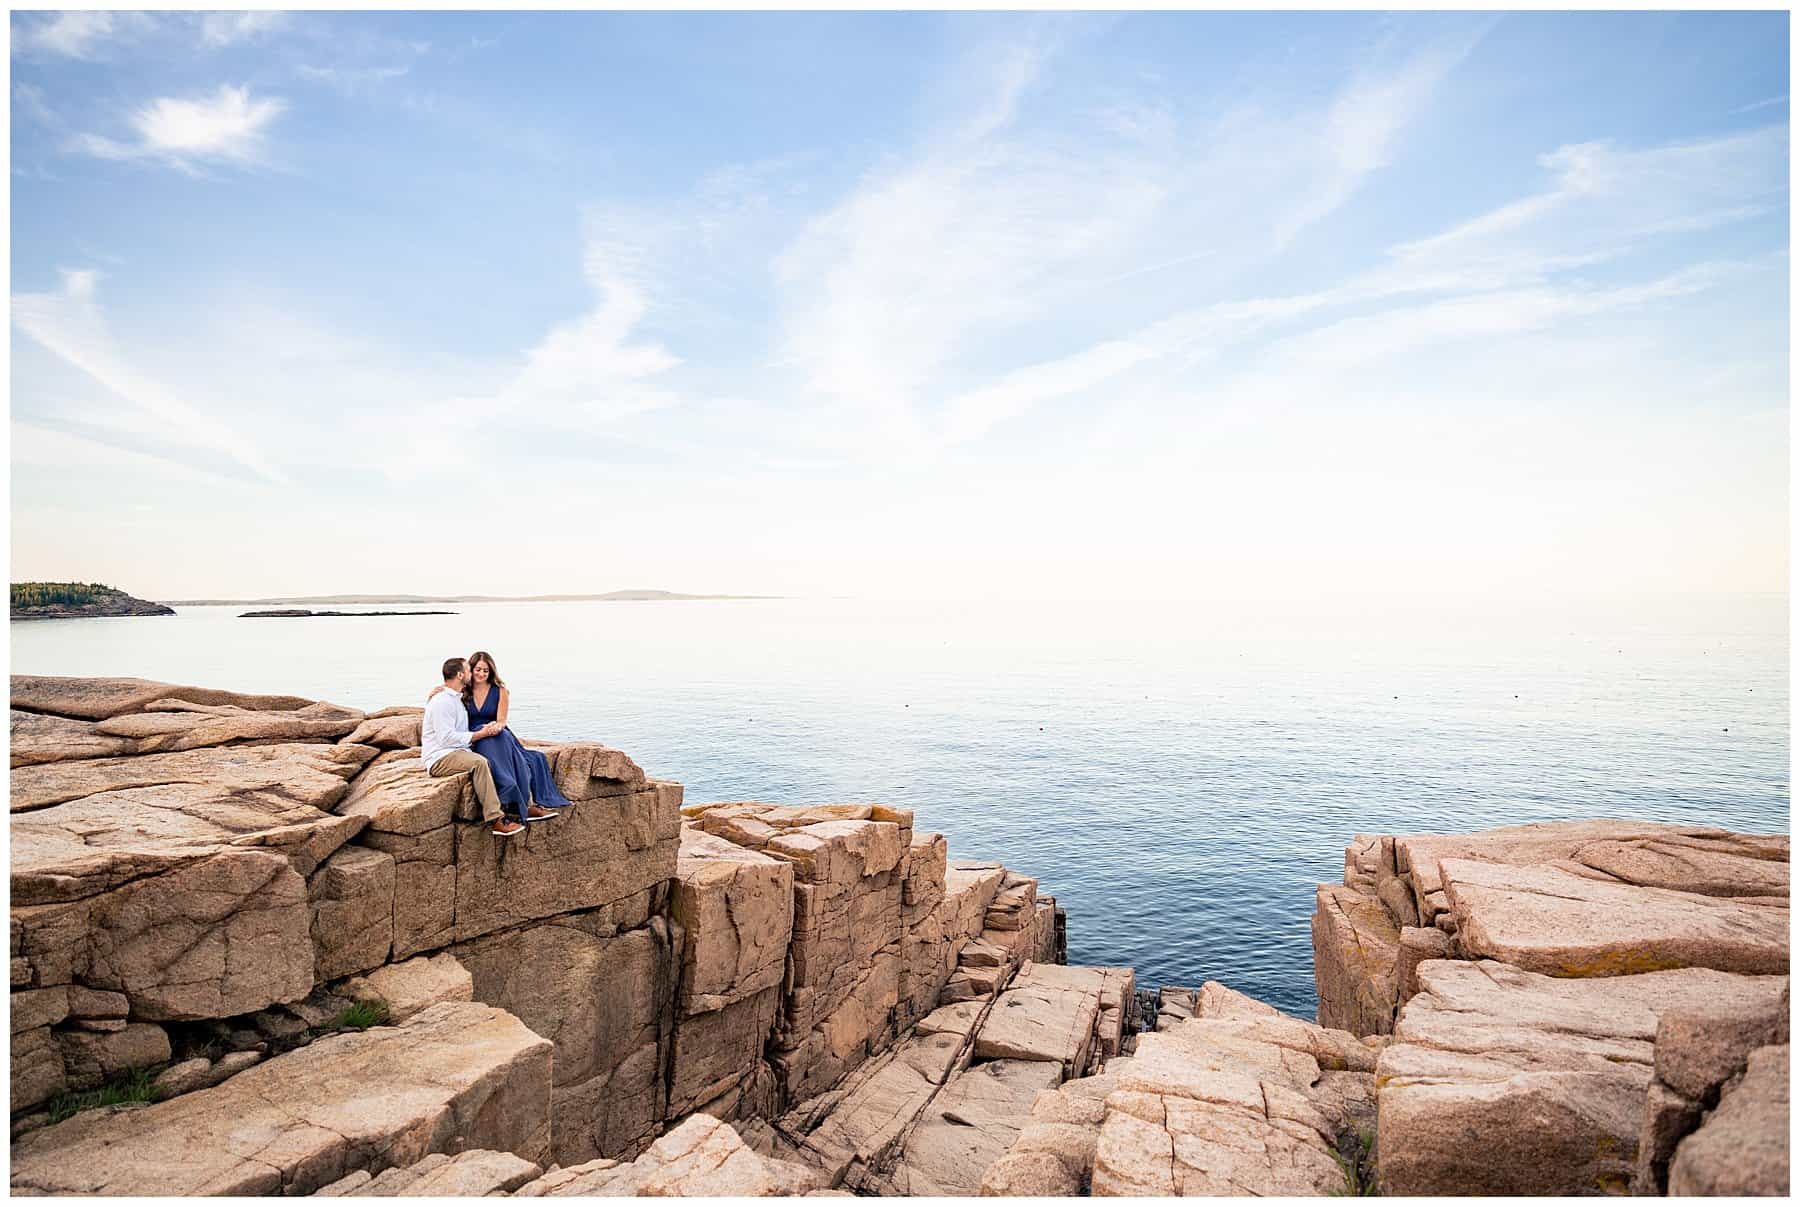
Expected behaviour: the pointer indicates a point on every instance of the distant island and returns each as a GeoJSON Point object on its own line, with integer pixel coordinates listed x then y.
{"type": "Point", "coordinates": [299, 613]}
{"type": "Point", "coordinates": [610, 596]}
{"type": "Point", "coordinates": [66, 601]}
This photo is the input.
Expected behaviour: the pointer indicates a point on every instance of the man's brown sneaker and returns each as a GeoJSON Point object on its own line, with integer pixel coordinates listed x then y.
{"type": "Point", "coordinates": [506, 827]}
{"type": "Point", "coordinates": [539, 813]}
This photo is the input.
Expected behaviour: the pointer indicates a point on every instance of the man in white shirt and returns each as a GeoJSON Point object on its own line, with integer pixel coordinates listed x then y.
{"type": "Point", "coordinates": [445, 739]}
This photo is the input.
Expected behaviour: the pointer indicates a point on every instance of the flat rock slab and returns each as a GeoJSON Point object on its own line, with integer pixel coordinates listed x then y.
{"type": "Point", "coordinates": [291, 773]}
{"type": "Point", "coordinates": [1198, 1113]}
{"type": "Point", "coordinates": [119, 820]}
{"type": "Point", "coordinates": [1042, 1022]}
{"type": "Point", "coordinates": [1501, 1081]}
{"type": "Point", "coordinates": [42, 738]}
{"type": "Point", "coordinates": [1547, 920]}
{"type": "Point", "coordinates": [459, 1076]}
{"type": "Point", "coordinates": [864, 1122]}
{"type": "Point", "coordinates": [1603, 845]}
{"type": "Point", "coordinates": [178, 725]}
{"type": "Point", "coordinates": [92, 699]}
{"type": "Point", "coordinates": [969, 1126]}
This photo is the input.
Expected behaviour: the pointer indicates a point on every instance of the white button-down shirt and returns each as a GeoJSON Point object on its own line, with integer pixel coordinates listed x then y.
{"type": "Point", "coordinates": [444, 729]}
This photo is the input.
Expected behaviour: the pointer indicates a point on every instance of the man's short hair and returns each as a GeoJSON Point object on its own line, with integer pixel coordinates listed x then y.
{"type": "Point", "coordinates": [451, 667]}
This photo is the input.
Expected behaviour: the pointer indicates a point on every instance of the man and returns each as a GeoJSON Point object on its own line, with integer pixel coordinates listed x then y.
{"type": "Point", "coordinates": [445, 740]}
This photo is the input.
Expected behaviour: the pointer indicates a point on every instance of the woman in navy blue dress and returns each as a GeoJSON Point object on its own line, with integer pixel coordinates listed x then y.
{"type": "Point", "coordinates": [521, 777]}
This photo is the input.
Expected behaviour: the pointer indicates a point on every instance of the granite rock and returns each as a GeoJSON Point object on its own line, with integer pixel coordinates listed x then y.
{"type": "Point", "coordinates": [458, 1076]}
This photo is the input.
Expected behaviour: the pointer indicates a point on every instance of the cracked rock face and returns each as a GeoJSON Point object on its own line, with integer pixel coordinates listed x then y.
{"type": "Point", "coordinates": [700, 1157]}
{"type": "Point", "coordinates": [1742, 1147]}
{"type": "Point", "coordinates": [1579, 899]}
{"type": "Point", "coordinates": [1501, 1081]}
{"type": "Point", "coordinates": [187, 854]}
{"type": "Point", "coordinates": [459, 1076]}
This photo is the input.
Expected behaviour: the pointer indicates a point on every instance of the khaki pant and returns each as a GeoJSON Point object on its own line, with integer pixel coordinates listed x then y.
{"type": "Point", "coordinates": [479, 773]}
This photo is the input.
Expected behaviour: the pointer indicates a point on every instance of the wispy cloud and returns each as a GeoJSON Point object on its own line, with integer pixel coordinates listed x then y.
{"type": "Point", "coordinates": [228, 126]}
{"type": "Point", "coordinates": [1357, 137]}
{"type": "Point", "coordinates": [351, 80]}
{"type": "Point", "coordinates": [77, 33]}
{"type": "Point", "coordinates": [70, 323]}
{"type": "Point", "coordinates": [998, 223]}
{"type": "Point", "coordinates": [225, 29]}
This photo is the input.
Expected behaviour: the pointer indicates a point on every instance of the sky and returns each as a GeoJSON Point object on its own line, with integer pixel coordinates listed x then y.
{"type": "Point", "coordinates": [925, 305]}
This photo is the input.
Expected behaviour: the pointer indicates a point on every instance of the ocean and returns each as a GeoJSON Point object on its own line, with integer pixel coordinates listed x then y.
{"type": "Point", "coordinates": [1178, 776]}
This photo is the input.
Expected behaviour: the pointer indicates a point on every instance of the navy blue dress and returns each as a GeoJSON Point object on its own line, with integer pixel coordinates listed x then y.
{"type": "Point", "coordinates": [521, 776]}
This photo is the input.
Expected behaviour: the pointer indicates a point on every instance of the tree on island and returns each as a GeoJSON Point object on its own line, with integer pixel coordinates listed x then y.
{"type": "Point", "coordinates": [42, 595]}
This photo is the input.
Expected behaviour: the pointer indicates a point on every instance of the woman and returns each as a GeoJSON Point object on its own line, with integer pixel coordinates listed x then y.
{"type": "Point", "coordinates": [521, 777]}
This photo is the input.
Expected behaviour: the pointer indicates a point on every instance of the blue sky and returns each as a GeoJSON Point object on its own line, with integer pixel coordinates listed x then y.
{"type": "Point", "coordinates": [1165, 305]}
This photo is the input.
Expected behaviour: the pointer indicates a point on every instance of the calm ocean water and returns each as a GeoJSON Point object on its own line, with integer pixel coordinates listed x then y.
{"type": "Point", "coordinates": [1178, 777]}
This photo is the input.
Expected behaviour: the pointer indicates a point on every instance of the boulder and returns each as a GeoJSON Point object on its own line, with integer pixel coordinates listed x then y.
{"type": "Point", "coordinates": [1501, 1081]}
{"type": "Point", "coordinates": [1053, 1154]}
{"type": "Point", "coordinates": [1698, 1051]}
{"type": "Point", "coordinates": [736, 910]}
{"type": "Point", "coordinates": [413, 985]}
{"type": "Point", "coordinates": [458, 1076]}
{"type": "Point", "coordinates": [39, 1008]}
{"type": "Point", "coordinates": [398, 796]}
{"type": "Point", "coordinates": [352, 902]}
{"type": "Point", "coordinates": [388, 730]}
{"type": "Point", "coordinates": [1742, 1148]}
{"type": "Point", "coordinates": [589, 771]}
{"type": "Point", "coordinates": [92, 1058]}
{"type": "Point", "coordinates": [1544, 919]}
{"type": "Point", "coordinates": [1356, 955]}
{"type": "Point", "coordinates": [605, 999]}
{"type": "Point", "coordinates": [184, 1077]}
{"type": "Point", "coordinates": [210, 937]}
{"type": "Point", "coordinates": [37, 1067]}
{"type": "Point", "coordinates": [700, 1157]}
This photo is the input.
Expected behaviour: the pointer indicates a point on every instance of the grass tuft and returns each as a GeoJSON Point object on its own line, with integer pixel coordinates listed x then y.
{"type": "Point", "coordinates": [361, 1016]}
{"type": "Point", "coordinates": [133, 1085]}
{"type": "Point", "coordinates": [1356, 1157]}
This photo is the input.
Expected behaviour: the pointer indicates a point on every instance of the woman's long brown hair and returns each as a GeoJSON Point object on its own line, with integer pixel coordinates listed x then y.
{"type": "Point", "coordinates": [494, 679]}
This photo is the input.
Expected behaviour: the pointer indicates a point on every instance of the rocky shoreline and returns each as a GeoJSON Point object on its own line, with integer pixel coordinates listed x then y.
{"type": "Point", "coordinates": [292, 964]}
{"type": "Point", "coordinates": [304, 613]}
{"type": "Point", "coordinates": [116, 604]}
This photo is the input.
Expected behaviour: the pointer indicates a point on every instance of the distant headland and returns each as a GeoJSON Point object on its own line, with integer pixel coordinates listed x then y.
{"type": "Point", "coordinates": [610, 596]}
{"type": "Point", "coordinates": [64, 601]}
